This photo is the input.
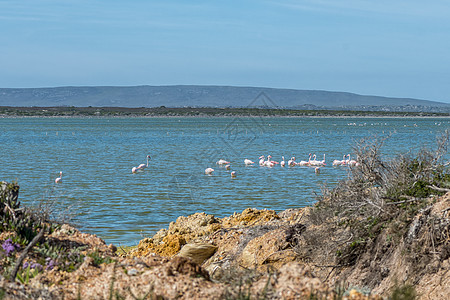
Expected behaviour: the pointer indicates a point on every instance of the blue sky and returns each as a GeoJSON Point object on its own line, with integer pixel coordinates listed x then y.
{"type": "Point", "coordinates": [385, 48]}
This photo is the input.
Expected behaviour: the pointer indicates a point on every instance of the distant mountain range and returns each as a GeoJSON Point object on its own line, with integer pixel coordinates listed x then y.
{"type": "Point", "coordinates": [207, 96]}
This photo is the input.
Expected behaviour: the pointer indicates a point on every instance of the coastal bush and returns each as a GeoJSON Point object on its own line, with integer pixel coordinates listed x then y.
{"type": "Point", "coordinates": [24, 222]}
{"type": "Point", "coordinates": [26, 227]}
{"type": "Point", "coordinates": [382, 194]}
{"type": "Point", "coordinates": [66, 258]}
{"type": "Point", "coordinates": [403, 292]}
{"type": "Point", "coordinates": [98, 259]}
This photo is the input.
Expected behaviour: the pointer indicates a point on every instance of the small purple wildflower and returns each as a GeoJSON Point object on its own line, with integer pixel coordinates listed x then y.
{"type": "Point", "coordinates": [9, 247]}
{"type": "Point", "coordinates": [36, 266]}
{"type": "Point", "coordinates": [50, 263]}
{"type": "Point", "coordinates": [32, 265]}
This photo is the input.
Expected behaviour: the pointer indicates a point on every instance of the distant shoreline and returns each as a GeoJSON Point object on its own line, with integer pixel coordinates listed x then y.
{"type": "Point", "coordinates": [224, 117]}
{"type": "Point", "coordinates": [205, 112]}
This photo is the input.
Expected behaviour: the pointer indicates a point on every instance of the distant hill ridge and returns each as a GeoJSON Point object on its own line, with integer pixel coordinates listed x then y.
{"type": "Point", "coordinates": [199, 96]}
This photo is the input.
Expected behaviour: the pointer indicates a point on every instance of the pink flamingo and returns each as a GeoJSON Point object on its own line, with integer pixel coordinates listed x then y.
{"type": "Point", "coordinates": [143, 166]}
{"type": "Point", "coordinates": [305, 163]}
{"type": "Point", "coordinates": [222, 162]}
{"type": "Point", "coordinates": [272, 162]}
{"type": "Point", "coordinates": [347, 160]}
{"type": "Point", "coordinates": [59, 179]}
{"type": "Point", "coordinates": [291, 162]}
{"type": "Point", "coordinates": [269, 163]}
{"type": "Point", "coordinates": [282, 163]}
{"type": "Point", "coordinates": [233, 174]}
{"type": "Point", "coordinates": [208, 171]}
{"type": "Point", "coordinates": [315, 162]}
{"type": "Point", "coordinates": [248, 162]}
{"type": "Point", "coordinates": [338, 162]}
{"type": "Point", "coordinates": [352, 162]}
{"type": "Point", "coordinates": [323, 161]}
{"type": "Point", "coordinates": [261, 160]}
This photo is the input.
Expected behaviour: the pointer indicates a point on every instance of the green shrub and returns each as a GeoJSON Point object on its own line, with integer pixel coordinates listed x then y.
{"type": "Point", "coordinates": [98, 259]}
{"type": "Point", "coordinates": [404, 292]}
{"type": "Point", "coordinates": [383, 193]}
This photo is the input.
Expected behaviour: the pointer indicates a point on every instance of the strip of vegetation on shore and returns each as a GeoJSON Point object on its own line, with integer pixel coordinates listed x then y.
{"type": "Point", "coordinates": [162, 111]}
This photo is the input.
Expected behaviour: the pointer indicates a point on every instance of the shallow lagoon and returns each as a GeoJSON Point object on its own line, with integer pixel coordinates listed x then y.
{"type": "Point", "coordinates": [96, 156]}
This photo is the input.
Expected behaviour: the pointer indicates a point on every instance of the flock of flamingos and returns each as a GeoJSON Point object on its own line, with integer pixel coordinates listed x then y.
{"type": "Point", "coordinates": [317, 164]}
{"type": "Point", "coordinates": [311, 162]}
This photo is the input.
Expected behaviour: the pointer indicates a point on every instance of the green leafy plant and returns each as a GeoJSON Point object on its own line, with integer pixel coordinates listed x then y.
{"type": "Point", "coordinates": [404, 292]}
{"type": "Point", "coordinates": [23, 221]}
{"type": "Point", "coordinates": [99, 259]}
{"type": "Point", "coordinates": [70, 260]}
{"type": "Point", "coordinates": [27, 273]}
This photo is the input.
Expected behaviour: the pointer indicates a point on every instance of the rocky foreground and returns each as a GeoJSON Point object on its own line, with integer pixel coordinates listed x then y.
{"type": "Point", "coordinates": [256, 254]}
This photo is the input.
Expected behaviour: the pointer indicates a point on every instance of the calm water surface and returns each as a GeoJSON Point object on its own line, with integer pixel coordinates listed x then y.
{"type": "Point", "coordinates": [96, 156]}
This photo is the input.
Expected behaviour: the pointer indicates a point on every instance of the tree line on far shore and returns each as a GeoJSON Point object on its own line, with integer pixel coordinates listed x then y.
{"type": "Point", "coordinates": [162, 111]}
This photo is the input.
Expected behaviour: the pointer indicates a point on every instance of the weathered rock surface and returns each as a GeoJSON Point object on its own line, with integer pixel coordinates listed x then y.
{"type": "Point", "coordinates": [264, 241]}
{"type": "Point", "coordinates": [197, 252]}
{"type": "Point", "coordinates": [256, 253]}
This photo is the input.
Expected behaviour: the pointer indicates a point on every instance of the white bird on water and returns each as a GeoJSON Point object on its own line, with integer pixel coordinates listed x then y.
{"type": "Point", "coordinates": [270, 163]}
{"type": "Point", "coordinates": [322, 162]}
{"type": "Point", "coordinates": [143, 166]}
{"type": "Point", "coordinates": [305, 163]}
{"type": "Point", "coordinates": [282, 163]}
{"type": "Point", "coordinates": [291, 162]}
{"type": "Point", "coordinates": [233, 174]}
{"type": "Point", "coordinates": [261, 160]}
{"type": "Point", "coordinates": [316, 163]}
{"type": "Point", "coordinates": [208, 171]}
{"type": "Point", "coordinates": [59, 179]}
{"type": "Point", "coordinates": [352, 162]}
{"type": "Point", "coordinates": [248, 162]}
{"type": "Point", "coordinates": [338, 162]}
{"type": "Point", "coordinates": [222, 162]}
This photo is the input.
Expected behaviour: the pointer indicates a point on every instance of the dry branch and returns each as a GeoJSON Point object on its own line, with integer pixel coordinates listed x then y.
{"type": "Point", "coordinates": [433, 187]}
{"type": "Point", "coordinates": [24, 254]}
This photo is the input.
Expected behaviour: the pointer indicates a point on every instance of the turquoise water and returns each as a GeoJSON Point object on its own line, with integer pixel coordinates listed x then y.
{"type": "Point", "coordinates": [104, 197]}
